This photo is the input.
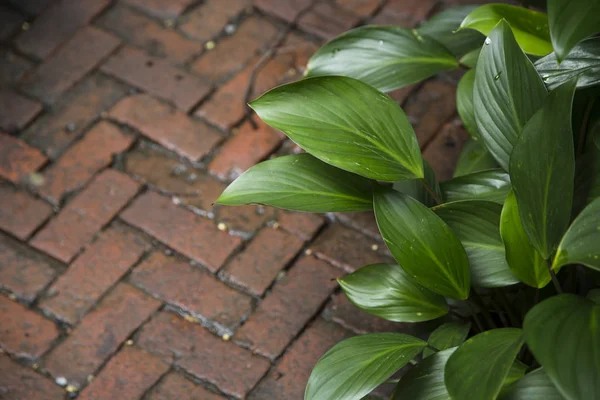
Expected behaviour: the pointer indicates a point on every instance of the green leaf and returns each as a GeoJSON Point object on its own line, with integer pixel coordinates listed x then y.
{"type": "Point", "coordinates": [425, 381]}
{"type": "Point", "coordinates": [492, 185]}
{"type": "Point", "coordinates": [581, 243]}
{"type": "Point", "coordinates": [529, 27]}
{"type": "Point", "coordinates": [582, 62]}
{"type": "Point", "coordinates": [385, 57]}
{"type": "Point", "coordinates": [476, 224]}
{"type": "Point", "coordinates": [508, 91]}
{"type": "Point", "coordinates": [416, 189]}
{"type": "Point", "coordinates": [300, 182]}
{"type": "Point", "coordinates": [563, 333]}
{"type": "Point", "coordinates": [470, 59]}
{"type": "Point", "coordinates": [516, 372]}
{"type": "Point", "coordinates": [542, 170]}
{"type": "Point", "coordinates": [443, 27]}
{"type": "Point", "coordinates": [464, 102]}
{"type": "Point", "coordinates": [356, 366]}
{"type": "Point", "coordinates": [424, 246]}
{"type": "Point", "coordinates": [450, 334]}
{"type": "Point", "coordinates": [474, 158]}
{"type": "Point", "coordinates": [536, 385]}
{"type": "Point", "coordinates": [570, 22]}
{"type": "Point", "coordinates": [347, 124]}
{"type": "Point", "coordinates": [477, 369]}
{"type": "Point", "coordinates": [386, 291]}
{"type": "Point", "coordinates": [523, 259]}
{"type": "Point", "coordinates": [594, 295]}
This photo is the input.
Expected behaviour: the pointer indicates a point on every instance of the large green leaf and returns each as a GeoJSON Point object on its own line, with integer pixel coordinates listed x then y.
{"type": "Point", "coordinates": [477, 369]}
{"type": "Point", "coordinates": [536, 385]}
{"type": "Point", "coordinates": [426, 190]}
{"type": "Point", "coordinates": [300, 182]}
{"type": "Point", "coordinates": [464, 102]}
{"type": "Point", "coordinates": [474, 158]}
{"type": "Point", "coordinates": [422, 243]}
{"type": "Point", "coordinates": [571, 21]}
{"type": "Point", "coordinates": [386, 291]}
{"type": "Point", "coordinates": [492, 185]}
{"type": "Point", "coordinates": [445, 336]}
{"type": "Point", "coordinates": [443, 27]}
{"type": "Point", "coordinates": [594, 295]}
{"type": "Point", "coordinates": [347, 124]}
{"type": "Point", "coordinates": [354, 367]}
{"type": "Point", "coordinates": [582, 62]}
{"type": "Point", "coordinates": [542, 170]}
{"type": "Point", "coordinates": [563, 333]}
{"type": "Point", "coordinates": [523, 259]}
{"type": "Point", "coordinates": [470, 59]}
{"type": "Point", "coordinates": [385, 57]}
{"type": "Point", "coordinates": [529, 27]}
{"type": "Point", "coordinates": [581, 243]}
{"type": "Point", "coordinates": [476, 224]}
{"type": "Point", "coordinates": [425, 381]}
{"type": "Point", "coordinates": [516, 372]}
{"type": "Point", "coordinates": [508, 91]}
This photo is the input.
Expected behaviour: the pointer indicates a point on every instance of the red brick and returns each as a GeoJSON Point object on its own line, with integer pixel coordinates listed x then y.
{"type": "Point", "coordinates": [402, 94]}
{"type": "Point", "coordinates": [328, 21]}
{"type": "Point", "coordinates": [246, 219]}
{"type": "Point", "coordinates": [303, 225]}
{"type": "Point", "coordinates": [288, 380]}
{"type": "Point", "coordinates": [10, 21]}
{"type": "Point", "coordinates": [161, 8]}
{"type": "Point", "coordinates": [294, 300]}
{"type": "Point", "coordinates": [17, 159]}
{"type": "Point", "coordinates": [85, 215]}
{"type": "Point", "coordinates": [57, 24]}
{"type": "Point", "coordinates": [69, 64]}
{"type": "Point", "coordinates": [246, 148]}
{"type": "Point", "coordinates": [190, 234]}
{"type": "Point", "coordinates": [193, 290]}
{"type": "Point", "coordinates": [100, 334]}
{"type": "Point", "coordinates": [157, 77]}
{"type": "Point", "coordinates": [68, 118]}
{"type": "Point", "coordinates": [12, 67]}
{"type": "Point", "coordinates": [148, 34]}
{"type": "Point", "coordinates": [24, 334]}
{"type": "Point", "coordinates": [287, 10]}
{"type": "Point", "coordinates": [443, 151]}
{"type": "Point", "coordinates": [300, 50]}
{"type": "Point", "coordinates": [128, 375]}
{"type": "Point", "coordinates": [16, 110]}
{"type": "Point", "coordinates": [175, 386]}
{"type": "Point", "coordinates": [362, 8]}
{"type": "Point", "coordinates": [361, 221]}
{"type": "Point", "coordinates": [404, 12]}
{"type": "Point", "coordinates": [268, 253]}
{"type": "Point", "coordinates": [78, 164]}
{"type": "Point", "coordinates": [21, 271]}
{"type": "Point", "coordinates": [19, 383]}
{"type": "Point", "coordinates": [207, 20]}
{"type": "Point", "coordinates": [347, 249]}
{"type": "Point", "coordinates": [232, 369]}
{"type": "Point", "coordinates": [253, 35]}
{"type": "Point", "coordinates": [167, 126]}
{"type": "Point", "coordinates": [154, 166]}
{"type": "Point", "coordinates": [20, 213]}
{"type": "Point", "coordinates": [92, 274]}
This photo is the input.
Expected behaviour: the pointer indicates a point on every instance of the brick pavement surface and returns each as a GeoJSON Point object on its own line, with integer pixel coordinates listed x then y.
{"type": "Point", "coordinates": [121, 122]}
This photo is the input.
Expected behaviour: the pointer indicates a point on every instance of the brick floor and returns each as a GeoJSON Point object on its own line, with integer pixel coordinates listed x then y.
{"type": "Point", "coordinates": [121, 122]}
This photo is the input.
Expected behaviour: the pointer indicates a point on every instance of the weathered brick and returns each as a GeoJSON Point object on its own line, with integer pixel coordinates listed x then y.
{"type": "Point", "coordinates": [17, 159]}
{"type": "Point", "coordinates": [190, 234]}
{"type": "Point", "coordinates": [175, 386]}
{"type": "Point", "coordinates": [192, 289]}
{"type": "Point", "coordinates": [100, 334]}
{"type": "Point", "coordinates": [229, 367]}
{"type": "Point", "coordinates": [290, 305]}
{"type": "Point", "coordinates": [404, 12]}
{"type": "Point", "coordinates": [347, 249]}
{"type": "Point", "coordinates": [246, 148]}
{"type": "Point", "coordinates": [402, 94]}
{"type": "Point", "coordinates": [144, 32]}
{"type": "Point", "coordinates": [287, 10]}
{"type": "Point", "coordinates": [22, 272]}
{"type": "Point", "coordinates": [58, 23]}
{"type": "Point", "coordinates": [93, 273]}
{"type": "Point", "coordinates": [167, 126]}
{"type": "Point", "coordinates": [253, 35]}
{"type": "Point", "coordinates": [20, 213]}
{"type": "Point", "coordinates": [69, 64]}
{"type": "Point", "coordinates": [361, 221]}
{"type": "Point", "coordinates": [362, 8]}
{"type": "Point", "coordinates": [79, 163]}
{"type": "Point", "coordinates": [327, 20]}
{"type": "Point", "coordinates": [85, 215]}
{"type": "Point", "coordinates": [10, 21]}
{"type": "Point", "coordinates": [128, 375]}
{"type": "Point", "coordinates": [24, 333]}
{"type": "Point", "coordinates": [207, 20]}
{"type": "Point", "coordinates": [268, 253]}
{"type": "Point", "coordinates": [161, 8]}
{"type": "Point", "coordinates": [303, 225]}
{"type": "Point", "coordinates": [288, 380]}
{"type": "Point", "coordinates": [12, 67]}
{"type": "Point", "coordinates": [443, 151]}
{"type": "Point", "coordinates": [72, 114]}
{"type": "Point", "coordinates": [157, 77]}
{"type": "Point", "coordinates": [16, 110]}
{"type": "Point", "coordinates": [20, 383]}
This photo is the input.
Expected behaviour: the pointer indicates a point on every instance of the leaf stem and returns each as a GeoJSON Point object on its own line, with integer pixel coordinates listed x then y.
{"type": "Point", "coordinates": [437, 199]}
{"type": "Point", "coordinates": [432, 348]}
{"type": "Point", "coordinates": [554, 279]}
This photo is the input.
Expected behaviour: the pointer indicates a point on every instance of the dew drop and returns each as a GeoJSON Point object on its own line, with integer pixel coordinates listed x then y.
{"type": "Point", "coordinates": [488, 41]}
{"type": "Point", "coordinates": [381, 42]}
{"type": "Point", "coordinates": [419, 314]}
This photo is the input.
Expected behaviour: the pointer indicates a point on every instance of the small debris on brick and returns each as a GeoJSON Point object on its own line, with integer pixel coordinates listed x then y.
{"type": "Point", "coordinates": [374, 247]}
{"type": "Point", "coordinates": [226, 337]}
{"type": "Point", "coordinates": [222, 226]}
{"type": "Point", "coordinates": [61, 381]}
{"type": "Point", "coordinates": [308, 252]}
{"type": "Point", "coordinates": [129, 342]}
{"type": "Point", "coordinates": [209, 45]}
